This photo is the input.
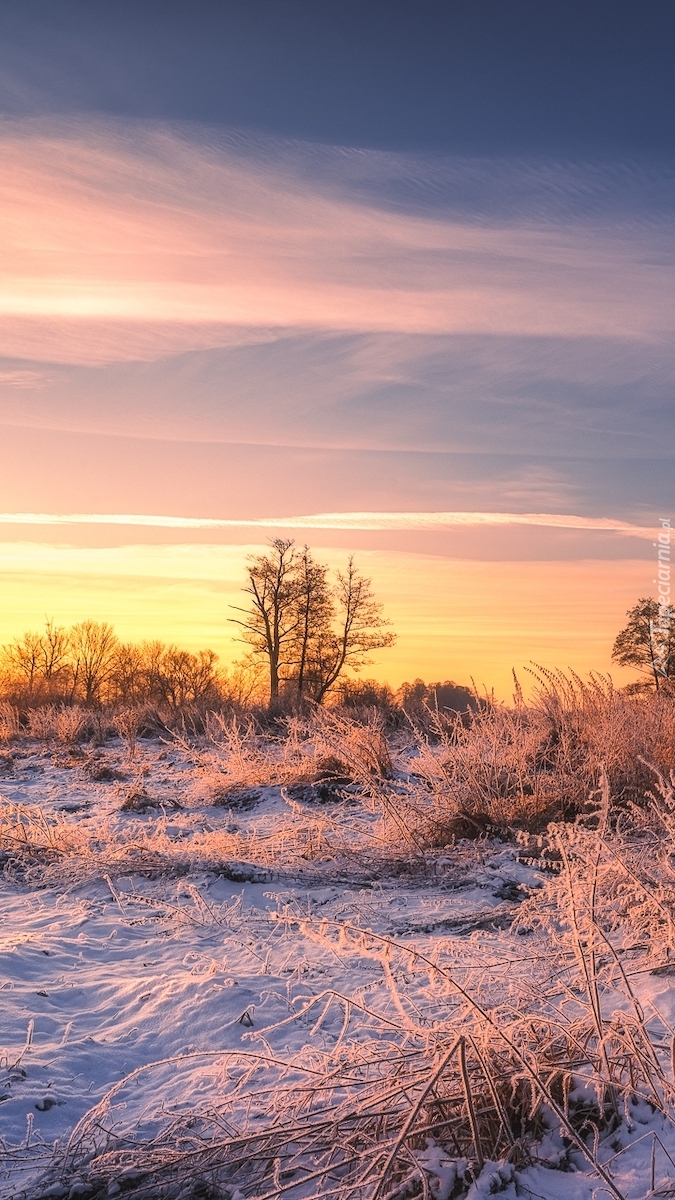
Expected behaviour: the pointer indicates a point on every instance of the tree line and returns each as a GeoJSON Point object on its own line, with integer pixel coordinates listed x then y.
{"type": "Point", "coordinates": [88, 664]}
{"type": "Point", "coordinates": [301, 628]}
{"type": "Point", "coordinates": [306, 634]}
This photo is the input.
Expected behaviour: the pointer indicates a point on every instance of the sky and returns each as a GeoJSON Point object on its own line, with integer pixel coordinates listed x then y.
{"type": "Point", "coordinates": [391, 279]}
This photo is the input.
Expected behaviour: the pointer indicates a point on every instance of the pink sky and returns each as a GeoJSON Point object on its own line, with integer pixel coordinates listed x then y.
{"type": "Point", "coordinates": [214, 327]}
{"type": "Point", "coordinates": [142, 226]}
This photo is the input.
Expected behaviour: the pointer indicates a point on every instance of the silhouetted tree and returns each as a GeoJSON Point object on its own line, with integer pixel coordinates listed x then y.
{"type": "Point", "coordinates": [272, 621]}
{"type": "Point", "coordinates": [361, 629]}
{"type": "Point", "coordinates": [648, 640]}
{"type": "Point", "coordinates": [56, 648]}
{"type": "Point", "coordinates": [186, 678]}
{"type": "Point", "coordinates": [39, 663]}
{"type": "Point", "coordinates": [315, 613]}
{"type": "Point", "coordinates": [87, 664]}
{"type": "Point", "coordinates": [308, 630]}
{"type": "Point", "coordinates": [94, 645]}
{"type": "Point", "coordinates": [129, 683]}
{"type": "Point", "coordinates": [420, 699]}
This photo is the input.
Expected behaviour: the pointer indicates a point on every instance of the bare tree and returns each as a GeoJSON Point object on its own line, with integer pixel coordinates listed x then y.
{"type": "Point", "coordinates": [308, 630]}
{"type": "Point", "coordinates": [150, 670]}
{"type": "Point", "coordinates": [22, 662]}
{"type": "Point", "coordinates": [153, 672]}
{"type": "Point", "coordinates": [272, 621]}
{"type": "Point", "coordinates": [184, 678]}
{"type": "Point", "coordinates": [362, 629]}
{"type": "Point", "coordinates": [40, 662]}
{"type": "Point", "coordinates": [56, 664]}
{"type": "Point", "coordinates": [315, 613]}
{"type": "Point", "coordinates": [94, 645]}
{"type": "Point", "coordinates": [87, 663]}
{"type": "Point", "coordinates": [129, 682]}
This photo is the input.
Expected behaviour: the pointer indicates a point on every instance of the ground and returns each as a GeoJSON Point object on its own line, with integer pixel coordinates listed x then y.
{"type": "Point", "coordinates": [267, 933]}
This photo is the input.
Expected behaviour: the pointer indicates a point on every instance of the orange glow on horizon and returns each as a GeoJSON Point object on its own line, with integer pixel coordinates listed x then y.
{"type": "Point", "coordinates": [454, 619]}
{"type": "Point", "coordinates": [195, 323]}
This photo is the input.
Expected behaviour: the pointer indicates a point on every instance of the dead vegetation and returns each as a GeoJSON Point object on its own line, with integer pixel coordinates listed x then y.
{"type": "Point", "coordinates": [470, 1065]}
{"type": "Point", "coordinates": [525, 766]}
{"type": "Point", "coordinates": [411, 1104]}
{"type": "Point", "coordinates": [353, 791]}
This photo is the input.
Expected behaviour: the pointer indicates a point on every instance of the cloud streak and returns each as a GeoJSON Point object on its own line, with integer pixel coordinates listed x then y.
{"type": "Point", "coordinates": [366, 521]}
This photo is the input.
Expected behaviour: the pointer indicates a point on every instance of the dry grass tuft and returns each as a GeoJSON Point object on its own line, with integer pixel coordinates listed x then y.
{"type": "Point", "coordinates": [59, 723]}
{"type": "Point", "coordinates": [10, 726]}
{"type": "Point", "coordinates": [128, 724]}
{"type": "Point", "coordinates": [522, 767]}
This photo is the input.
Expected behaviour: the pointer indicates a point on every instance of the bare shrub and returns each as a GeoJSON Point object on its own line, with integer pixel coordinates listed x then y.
{"type": "Point", "coordinates": [591, 724]}
{"type": "Point", "coordinates": [128, 723]}
{"type": "Point", "coordinates": [488, 773]}
{"type": "Point", "coordinates": [70, 723]}
{"type": "Point", "coordinates": [42, 722]}
{"type": "Point", "coordinates": [524, 766]}
{"type": "Point", "coordinates": [246, 759]}
{"type": "Point", "coordinates": [361, 746]}
{"type": "Point", "coordinates": [51, 722]}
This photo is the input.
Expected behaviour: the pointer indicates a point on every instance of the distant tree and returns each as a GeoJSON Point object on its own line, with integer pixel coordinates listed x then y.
{"type": "Point", "coordinates": [243, 684]}
{"type": "Point", "coordinates": [155, 673]}
{"type": "Point", "coordinates": [420, 698]}
{"type": "Point", "coordinates": [186, 678]}
{"type": "Point", "coordinates": [648, 640]}
{"type": "Point", "coordinates": [87, 664]}
{"type": "Point", "coordinates": [21, 663]}
{"type": "Point", "coordinates": [38, 664]}
{"type": "Point", "coordinates": [367, 694]}
{"type": "Point", "coordinates": [129, 683]}
{"type": "Point", "coordinates": [308, 630]}
{"type": "Point", "coordinates": [150, 671]}
{"type": "Point", "coordinates": [56, 649]}
{"type": "Point", "coordinates": [94, 646]}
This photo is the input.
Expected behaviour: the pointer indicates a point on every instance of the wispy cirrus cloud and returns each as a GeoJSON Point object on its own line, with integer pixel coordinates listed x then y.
{"type": "Point", "coordinates": [24, 380]}
{"type": "Point", "coordinates": [107, 226]}
{"type": "Point", "coordinates": [270, 308]}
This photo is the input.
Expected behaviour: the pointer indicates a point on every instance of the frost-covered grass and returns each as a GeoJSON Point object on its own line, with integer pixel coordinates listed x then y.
{"type": "Point", "coordinates": [332, 961]}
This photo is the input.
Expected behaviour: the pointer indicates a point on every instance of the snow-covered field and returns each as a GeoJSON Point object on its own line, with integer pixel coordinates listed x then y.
{"type": "Point", "coordinates": [267, 997]}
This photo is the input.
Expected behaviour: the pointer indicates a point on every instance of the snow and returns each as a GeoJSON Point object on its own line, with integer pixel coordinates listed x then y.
{"type": "Point", "coordinates": [104, 974]}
